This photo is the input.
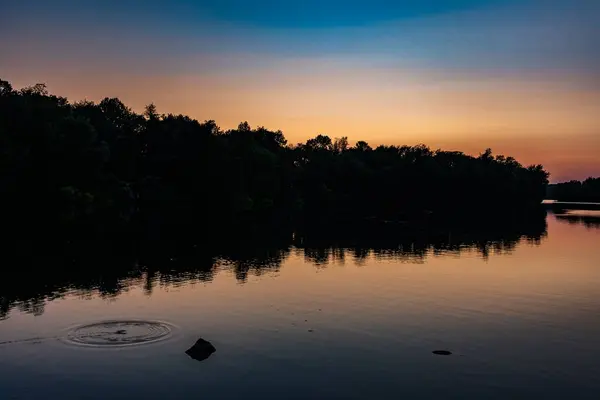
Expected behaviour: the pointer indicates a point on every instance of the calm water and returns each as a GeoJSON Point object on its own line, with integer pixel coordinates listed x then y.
{"type": "Point", "coordinates": [521, 317]}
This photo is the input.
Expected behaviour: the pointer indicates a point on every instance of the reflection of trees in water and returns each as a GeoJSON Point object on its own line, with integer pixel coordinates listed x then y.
{"type": "Point", "coordinates": [94, 272]}
{"type": "Point", "coordinates": [415, 252]}
{"type": "Point", "coordinates": [589, 221]}
{"type": "Point", "coordinates": [253, 260]}
{"type": "Point", "coordinates": [490, 238]}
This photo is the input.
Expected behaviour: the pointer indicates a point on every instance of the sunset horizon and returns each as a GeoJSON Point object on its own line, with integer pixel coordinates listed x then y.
{"type": "Point", "coordinates": [518, 77]}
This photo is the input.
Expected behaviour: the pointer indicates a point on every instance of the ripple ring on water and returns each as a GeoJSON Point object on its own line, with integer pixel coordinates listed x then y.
{"type": "Point", "coordinates": [118, 333]}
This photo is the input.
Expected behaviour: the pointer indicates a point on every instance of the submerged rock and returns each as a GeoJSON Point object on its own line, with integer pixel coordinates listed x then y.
{"type": "Point", "coordinates": [201, 350]}
{"type": "Point", "coordinates": [442, 352]}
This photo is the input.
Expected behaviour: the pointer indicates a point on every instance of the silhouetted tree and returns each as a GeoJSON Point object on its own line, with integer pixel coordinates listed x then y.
{"type": "Point", "coordinates": [101, 169]}
{"type": "Point", "coordinates": [586, 191]}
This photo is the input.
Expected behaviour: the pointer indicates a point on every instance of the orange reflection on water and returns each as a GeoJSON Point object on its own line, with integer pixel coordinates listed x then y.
{"type": "Point", "coordinates": [559, 276]}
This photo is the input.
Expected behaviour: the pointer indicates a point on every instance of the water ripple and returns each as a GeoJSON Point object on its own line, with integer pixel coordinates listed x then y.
{"type": "Point", "coordinates": [119, 333]}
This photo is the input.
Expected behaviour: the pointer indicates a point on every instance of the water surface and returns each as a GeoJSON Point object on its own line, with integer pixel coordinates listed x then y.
{"type": "Point", "coordinates": [519, 314]}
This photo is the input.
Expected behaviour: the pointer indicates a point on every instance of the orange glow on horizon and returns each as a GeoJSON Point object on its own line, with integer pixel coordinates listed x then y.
{"type": "Point", "coordinates": [521, 77]}
{"type": "Point", "coordinates": [535, 122]}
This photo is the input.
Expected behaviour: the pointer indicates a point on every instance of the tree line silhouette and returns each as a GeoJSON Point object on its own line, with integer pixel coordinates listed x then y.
{"type": "Point", "coordinates": [579, 191]}
{"type": "Point", "coordinates": [100, 169]}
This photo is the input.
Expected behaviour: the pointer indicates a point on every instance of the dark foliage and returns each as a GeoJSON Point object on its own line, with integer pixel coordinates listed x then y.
{"type": "Point", "coordinates": [91, 170]}
{"type": "Point", "coordinates": [586, 191]}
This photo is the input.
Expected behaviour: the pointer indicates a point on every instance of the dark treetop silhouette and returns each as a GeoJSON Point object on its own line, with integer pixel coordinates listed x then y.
{"type": "Point", "coordinates": [96, 170]}
{"type": "Point", "coordinates": [586, 191]}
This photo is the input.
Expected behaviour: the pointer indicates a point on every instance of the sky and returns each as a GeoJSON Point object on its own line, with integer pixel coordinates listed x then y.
{"type": "Point", "coordinates": [519, 76]}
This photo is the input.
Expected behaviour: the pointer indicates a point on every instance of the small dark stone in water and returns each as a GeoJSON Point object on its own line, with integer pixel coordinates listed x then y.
{"type": "Point", "coordinates": [310, 330]}
{"type": "Point", "coordinates": [201, 350]}
{"type": "Point", "coordinates": [121, 332]}
{"type": "Point", "coordinates": [442, 352]}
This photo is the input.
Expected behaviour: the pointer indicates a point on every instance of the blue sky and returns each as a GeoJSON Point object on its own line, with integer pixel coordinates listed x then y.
{"type": "Point", "coordinates": [324, 14]}
{"type": "Point", "coordinates": [304, 14]}
{"type": "Point", "coordinates": [504, 34]}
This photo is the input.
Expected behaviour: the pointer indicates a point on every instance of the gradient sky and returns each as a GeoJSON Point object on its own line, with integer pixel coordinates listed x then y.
{"type": "Point", "coordinates": [522, 77]}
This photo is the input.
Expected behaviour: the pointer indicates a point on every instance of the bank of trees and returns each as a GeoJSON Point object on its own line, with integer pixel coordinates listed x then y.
{"type": "Point", "coordinates": [579, 191]}
{"type": "Point", "coordinates": [103, 168]}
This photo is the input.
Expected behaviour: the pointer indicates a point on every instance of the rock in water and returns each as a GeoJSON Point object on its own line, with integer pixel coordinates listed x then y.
{"type": "Point", "coordinates": [442, 352]}
{"type": "Point", "coordinates": [201, 350]}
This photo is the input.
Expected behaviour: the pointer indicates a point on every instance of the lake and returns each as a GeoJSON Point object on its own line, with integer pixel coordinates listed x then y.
{"type": "Point", "coordinates": [519, 312]}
